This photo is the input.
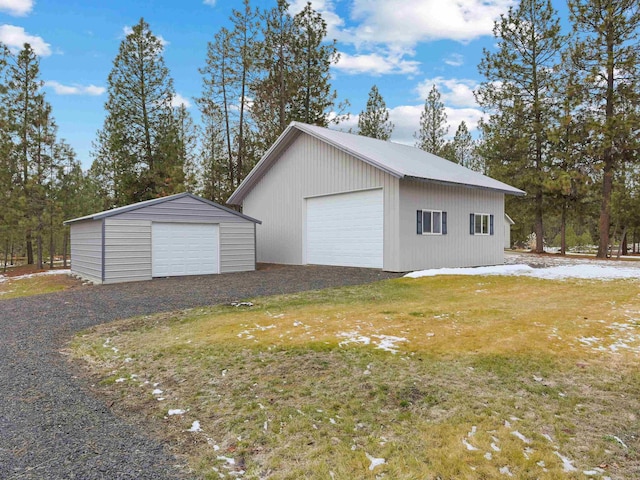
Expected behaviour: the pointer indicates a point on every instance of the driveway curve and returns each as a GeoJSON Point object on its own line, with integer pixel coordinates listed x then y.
{"type": "Point", "coordinates": [51, 426]}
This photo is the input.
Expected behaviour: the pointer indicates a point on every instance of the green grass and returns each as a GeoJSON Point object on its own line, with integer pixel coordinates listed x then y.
{"type": "Point", "coordinates": [485, 362]}
{"type": "Point", "coordinates": [37, 285]}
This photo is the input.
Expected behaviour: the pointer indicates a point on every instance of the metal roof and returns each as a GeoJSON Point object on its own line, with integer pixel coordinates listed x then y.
{"type": "Point", "coordinates": [400, 161]}
{"type": "Point", "coordinates": [156, 201]}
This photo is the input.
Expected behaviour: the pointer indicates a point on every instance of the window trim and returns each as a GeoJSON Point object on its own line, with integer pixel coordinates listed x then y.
{"type": "Point", "coordinates": [431, 223]}
{"type": "Point", "coordinates": [488, 224]}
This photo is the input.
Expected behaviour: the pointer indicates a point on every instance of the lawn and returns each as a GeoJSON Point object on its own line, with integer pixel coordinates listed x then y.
{"type": "Point", "coordinates": [442, 377]}
{"type": "Point", "coordinates": [27, 281]}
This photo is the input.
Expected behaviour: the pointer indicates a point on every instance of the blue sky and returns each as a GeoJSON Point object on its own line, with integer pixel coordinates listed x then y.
{"type": "Point", "coordinates": [402, 46]}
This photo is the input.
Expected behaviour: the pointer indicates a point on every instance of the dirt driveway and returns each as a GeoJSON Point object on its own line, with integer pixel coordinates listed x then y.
{"type": "Point", "coordinates": [51, 426]}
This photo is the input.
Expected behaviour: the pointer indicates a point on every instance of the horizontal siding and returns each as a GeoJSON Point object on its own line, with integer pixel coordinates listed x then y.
{"type": "Point", "coordinates": [86, 250]}
{"type": "Point", "coordinates": [185, 210]}
{"type": "Point", "coordinates": [458, 248]}
{"type": "Point", "coordinates": [127, 250]}
{"type": "Point", "coordinates": [310, 167]}
{"type": "Point", "coordinates": [237, 247]}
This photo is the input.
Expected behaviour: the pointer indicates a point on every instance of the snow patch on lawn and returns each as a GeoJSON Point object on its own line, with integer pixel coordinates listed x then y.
{"type": "Point", "coordinates": [375, 461]}
{"type": "Point", "coordinates": [176, 411]}
{"type": "Point", "coordinates": [4, 278]}
{"type": "Point", "coordinates": [581, 271]}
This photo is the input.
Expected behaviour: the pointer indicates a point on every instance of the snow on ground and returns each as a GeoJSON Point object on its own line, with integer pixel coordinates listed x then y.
{"type": "Point", "coordinates": [583, 271]}
{"type": "Point", "coordinates": [4, 278]}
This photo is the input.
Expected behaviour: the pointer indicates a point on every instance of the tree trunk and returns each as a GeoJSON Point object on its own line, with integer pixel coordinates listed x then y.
{"type": "Point", "coordinates": [538, 225]}
{"type": "Point", "coordinates": [623, 243]}
{"type": "Point", "coordinates": [563, 230]}
{"type": "Point", "coordinates": [64, 248]}
{"type": "Point", "coordinates": [29, 248]}
{"type": "Point", "coordinates": [6, 254]}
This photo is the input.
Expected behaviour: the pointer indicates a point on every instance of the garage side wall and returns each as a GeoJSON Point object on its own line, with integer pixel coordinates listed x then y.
{"type": "Point", "coordinates": [86, 250]}
{"type": "Point", "coordinates": [458, 248]}
{"type": "Point", "coordinates": [310, 167]}
{"type": "Point", "coordinates": [127, 250]}
{"type": "Point", "coordinates": [237, 247]}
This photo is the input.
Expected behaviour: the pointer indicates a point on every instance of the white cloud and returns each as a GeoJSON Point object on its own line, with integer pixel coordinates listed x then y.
{"type": "Point", "coordinates": [17, 8]}
{"type": "Point", "coordinates": [210, 2]}
{"type": "Point", "coordinates": [15, 38]}
{"type": "Point", "coordinates": [74, 89]}
{"type": "Point", "coordinates": [127, 30]}
{"type": "Point", "coordinates": [455, 60]}
{"type": "Point", "coordinates": [406, 121]}
{"type": "Point", "coordinates": [375, 64]}
{"type": "Point", "coordinates": [407, 22]}
{"type": "Point", "coordinates": [326, 7]}
{"type": "Point", "coordinates": [453, 91]}
{"type": "Point", "coordinates": [179, 100]}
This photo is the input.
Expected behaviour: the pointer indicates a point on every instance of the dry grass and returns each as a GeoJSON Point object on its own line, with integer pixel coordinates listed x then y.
{"type": "Point", "coordinates": [23, 287]}
{"type": "Point", "coordinates": [492, 376]}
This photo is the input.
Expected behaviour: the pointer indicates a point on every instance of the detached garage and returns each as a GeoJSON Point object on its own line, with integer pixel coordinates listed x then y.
{"type": "Point", "coordinates": [171, 236]}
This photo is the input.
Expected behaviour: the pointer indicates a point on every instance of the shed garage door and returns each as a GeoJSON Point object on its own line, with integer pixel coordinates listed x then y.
{"type": "Point", "coordinates": [346, 229]}
{"type": "Point", "coordinates": [184, 249]}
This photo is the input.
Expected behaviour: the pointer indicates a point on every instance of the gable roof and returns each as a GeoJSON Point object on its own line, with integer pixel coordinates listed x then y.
{"type": "Point", "coordinates": [400, 161]}
{"type": "Point", "coordinates": [156, 201]}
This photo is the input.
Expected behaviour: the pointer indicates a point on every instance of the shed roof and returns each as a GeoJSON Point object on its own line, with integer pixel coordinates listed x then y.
{"type": "Point", "coordinates": [400, 161]}
{"type": "Point", "coordinates": [156, 201]}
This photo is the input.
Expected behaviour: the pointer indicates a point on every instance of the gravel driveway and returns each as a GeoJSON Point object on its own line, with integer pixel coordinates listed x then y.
{"type": "Point", "coordinates": [51, 427]}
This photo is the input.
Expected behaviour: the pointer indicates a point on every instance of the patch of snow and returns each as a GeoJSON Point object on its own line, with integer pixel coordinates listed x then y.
{"type": "Point", "coordinates": [567, 465]}
{"type": "Point", "coordinates": [505, 471]}
{"type": "Point", "coordinates": [375, 462]}
{"type": "Point", "coordinates": [176, 411]}
{"type": "Point", "coordinates": [195, 427]}
{"type": "Point", "coordinates": [470, 447]}
{"type": "Point", "coordinates": [517, 434]}
{"type": "Point", "coordinates": [581, 271]}
{"type": "Point", "coordinates": [241, 304]}
{"type": "Point", "coordinates": [548, 437]}
{"type": "Point", "coordinates": [541, 463]}
{"type": "Point", "coordinates": [619, 440]}
{"type": "Point", "coordinates": [157, 391]}
{"type": "Point", "coordinates": [388, 343]}
{"type": "Point", "coordinates": [120, 380]}
{"type": "Point", "coordinates": [228, 460]}
{"type": "Point", "coordinates": [332, 421]}
{"type": "Point", "coordinates": [353, 337]}
{"type": "Point", "coordinates": [488, 456]}
{"type": "Point", "coordinates": [495, 447]}
{"type": "Point", "coordinates": [39, 274]}
{"type": "Point", "coordinates": [473, 431]}
{"type": "Point", "coordinates": [594, 472]}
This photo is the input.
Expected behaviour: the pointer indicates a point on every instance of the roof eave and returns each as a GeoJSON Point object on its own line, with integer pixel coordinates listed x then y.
{"type": "Point", "coordinates": [515, 191]}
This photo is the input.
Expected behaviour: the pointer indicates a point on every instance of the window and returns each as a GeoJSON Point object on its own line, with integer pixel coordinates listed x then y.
{"type": "Point", "coordinates": [481, 224]}
{"type": "Point", "coordinates": [431, 222]}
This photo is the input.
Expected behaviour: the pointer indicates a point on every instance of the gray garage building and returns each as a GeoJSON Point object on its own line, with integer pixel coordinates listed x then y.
{"type": "Point", "coordinates": [334, 198]}
{"type": "Point", "coordinates": [170, 236]}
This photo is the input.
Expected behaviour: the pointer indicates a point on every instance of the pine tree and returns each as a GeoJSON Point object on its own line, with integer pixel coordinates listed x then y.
{"type": "Point", "coordinates": [374, 120]}
{"type": "Point", "coordinates": [607, 52]}
{"type": "Point", "coordinates": [433, 124]}
{"type": "Point", "coordinates": [463, 149]}
{"type": "Point", "coordinates": [133, 154]}
{"type": "Point", "coordinates": [314, 97]}
{"type": "Point", "coordinates": [520, 75]}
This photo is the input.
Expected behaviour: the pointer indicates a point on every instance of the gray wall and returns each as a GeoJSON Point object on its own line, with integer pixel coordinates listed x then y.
{"type": "Point", "coordinates": [237, 247]}
{"type": "Point", "coordinates": [127, 250]}
{"type": "Point", "coordinates": [183, 210]}
{"type": "Point", "coordinates": [86, 250]}
{"type": "Point", "coordinates": [307, 168]}
{"type": "Point", "coordinates": [457, 248]}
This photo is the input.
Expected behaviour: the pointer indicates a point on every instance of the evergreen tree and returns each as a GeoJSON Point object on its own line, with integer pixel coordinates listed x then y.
{"type": "Point", "coordinates": [607, 52]}
{"type": "Point", "coordinates": [433, 124]}
{"type": "Point", "coordinates": [463, 149]}
{"type": "Point", "coordinates": [519, 85]}
{"type": "Point", "coordinates": [134, 156]}
{"type": "Point", "coordinates": [314, 98]}
{"type": "Point", "coordinates": [374, 120]}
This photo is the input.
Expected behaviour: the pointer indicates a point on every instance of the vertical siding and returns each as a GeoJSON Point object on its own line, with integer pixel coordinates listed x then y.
{"type": "Point", "coordinates": [458, 248]}
{"type": "Point", "coordinates": [86, 250]}
{"type": "Point", "coordinates": [310, 167]}
{"type": "Point", "coordinates": [127, 250]}
{"type": "Point", "coordinates": [237, 247]}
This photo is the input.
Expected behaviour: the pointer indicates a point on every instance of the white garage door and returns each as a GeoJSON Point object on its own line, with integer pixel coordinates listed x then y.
{"type": "Point", "coordinates": [184, 249]}
{"type": "Point", "coordinates": [346, 229]}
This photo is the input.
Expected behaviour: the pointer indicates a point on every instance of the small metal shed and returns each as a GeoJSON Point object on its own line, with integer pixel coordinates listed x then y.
{"type": "Point", "coordinates": [177, 235]}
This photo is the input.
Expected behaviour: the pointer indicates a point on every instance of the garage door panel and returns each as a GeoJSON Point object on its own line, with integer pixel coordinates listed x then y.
{"type": "Point", "coordinates": [346, 229]}
{"type": "Point", "coordinates": [184, 249]}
